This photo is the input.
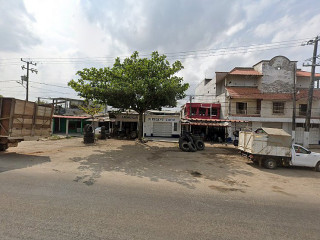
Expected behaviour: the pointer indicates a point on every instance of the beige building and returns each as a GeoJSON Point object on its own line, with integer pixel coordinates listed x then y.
{"type": "Point", "coordinates": [263, 96]}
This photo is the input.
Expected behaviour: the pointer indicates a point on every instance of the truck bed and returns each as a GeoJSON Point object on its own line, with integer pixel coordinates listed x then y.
{"type": "Point", "coordinates": [264, 144]}
{"type": "Point", "coordinates": [21, 119]}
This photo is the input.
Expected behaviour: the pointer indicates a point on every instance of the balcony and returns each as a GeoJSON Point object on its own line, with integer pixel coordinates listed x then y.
{"type": "Point", "coordinates": [246, 112]}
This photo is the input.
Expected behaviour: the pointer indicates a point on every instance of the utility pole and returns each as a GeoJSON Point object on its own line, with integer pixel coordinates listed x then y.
{"type": "Point", "coordinates": [190, 108]}
{"type": "Point", "coordinates": [294, 104]}
{"type": "Point", "coordinates": [311, 87]}
{"type": "Point", "coordinates": [27, 77]}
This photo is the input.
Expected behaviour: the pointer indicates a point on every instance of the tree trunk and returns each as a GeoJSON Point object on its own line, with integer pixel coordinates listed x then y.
{"type": "Point", "coordinates": [140, 132]}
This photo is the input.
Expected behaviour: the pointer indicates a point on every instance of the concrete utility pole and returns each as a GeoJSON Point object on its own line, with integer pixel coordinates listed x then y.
{"type": "Point", "coordinates": [294, 104]}
{"type": "Point", "coordinates": [311, 87]}
{"type": "Point", "coordinates": [190, 108]}
{"type": "Point", "coordinates": [27, 77]}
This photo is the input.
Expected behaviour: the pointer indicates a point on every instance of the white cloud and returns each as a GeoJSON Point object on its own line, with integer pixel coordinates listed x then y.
{"type": "Point", "coordinates": [74, 32]}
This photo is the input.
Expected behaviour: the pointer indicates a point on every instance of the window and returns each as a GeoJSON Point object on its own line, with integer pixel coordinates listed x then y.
{"type": "Point", "coordinates": [302, 150]}
{"type": "Point", "coordinates": [241, 108]}
{"type": "Point", "coordinates": [278, 107]}
{"type": "Point", "coordinates": [302, 109]}
{"type": "Point", "coordinates": [193, 111]}
{"type": "Point", "coordinates": [202, 111]}
{"type": "Point", "coordinates": [214, 112]}
{"type": "Point", "coordinates": [301, 125]}
{"type": "Point", "coordinates": [175, 126]}
{"type": "Point", "coordinates": [258, 110]}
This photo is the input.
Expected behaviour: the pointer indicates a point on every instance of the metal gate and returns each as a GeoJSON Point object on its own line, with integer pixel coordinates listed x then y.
{"type": "Point", "coordinates": [162, 129]}
{"type": "Point", "coordinates": [299, 135]}
{"type": "Point", "coordinates": [314, 135]}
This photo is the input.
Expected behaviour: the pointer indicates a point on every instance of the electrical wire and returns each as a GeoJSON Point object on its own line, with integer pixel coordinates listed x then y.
{"type": "Point", "coordinates": [173, 55]}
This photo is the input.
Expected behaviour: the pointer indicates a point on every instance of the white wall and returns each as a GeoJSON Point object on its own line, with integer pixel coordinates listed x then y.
{"type": "Point", "coordinates": [242, 81]}
{"type": "Point", "coordinates": [150, 119]}
{"type": "Point", "coordinates": [303, 82]}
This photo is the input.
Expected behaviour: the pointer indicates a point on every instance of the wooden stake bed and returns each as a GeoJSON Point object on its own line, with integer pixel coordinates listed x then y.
{"type": "Point", "coordinates": [19, 119]}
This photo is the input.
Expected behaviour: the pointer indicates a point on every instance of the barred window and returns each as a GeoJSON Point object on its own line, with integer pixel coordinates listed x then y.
{"type": "Point", "coordinates": [278, 107]}
{"type": "Point", "coordinates": [302, 109]}
{"type": "Point", "coordinates": [241, 108]}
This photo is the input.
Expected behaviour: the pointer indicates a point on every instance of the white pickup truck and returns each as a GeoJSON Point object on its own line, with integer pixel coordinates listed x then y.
{"type": "Point", "coordinates": [273, 147]}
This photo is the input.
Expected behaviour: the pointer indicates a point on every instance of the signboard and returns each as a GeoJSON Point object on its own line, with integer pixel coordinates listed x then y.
{"type": "Point", "coordinates": [127, 118]}
{"type": "Point", "coordinates": [155, 119]}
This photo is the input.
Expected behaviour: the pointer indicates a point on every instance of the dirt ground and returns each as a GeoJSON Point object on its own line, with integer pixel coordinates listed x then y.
{"type": "Point", "coordinates": [218, 169]}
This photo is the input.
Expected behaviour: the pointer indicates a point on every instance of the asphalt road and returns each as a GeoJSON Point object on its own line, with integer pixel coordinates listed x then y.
{"type": "Point", "coordinates": [36, 203]}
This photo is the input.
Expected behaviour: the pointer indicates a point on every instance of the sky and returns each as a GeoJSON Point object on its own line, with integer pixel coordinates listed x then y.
{"type": "Point", "coordinates": [63, 37]}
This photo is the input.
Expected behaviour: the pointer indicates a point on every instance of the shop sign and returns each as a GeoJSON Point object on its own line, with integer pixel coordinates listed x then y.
{"type": "Point", "coordinates": [162, 119]}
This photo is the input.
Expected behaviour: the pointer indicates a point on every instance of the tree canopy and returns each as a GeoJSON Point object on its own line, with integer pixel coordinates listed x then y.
{"type": "Point", "coordinates": [136, 83]}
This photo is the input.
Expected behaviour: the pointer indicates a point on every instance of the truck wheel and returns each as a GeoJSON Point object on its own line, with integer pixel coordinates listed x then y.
{"type": "Point", "coordinates": [3, 147]}
{"type": "Point", "coordinates": [270, 163]}
{"type": "Point", "coordinates": [184, 146]}
{"type": "Point", "coordinates": [318, 167]}
{"type": "Point", "coordinates": [192, 147]}
{"type": "Point", "coordinates": [199, 144]}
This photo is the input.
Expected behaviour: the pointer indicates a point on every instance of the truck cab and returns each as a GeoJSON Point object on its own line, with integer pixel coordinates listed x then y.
{"type": "Point", "coordinates": [301, 156]}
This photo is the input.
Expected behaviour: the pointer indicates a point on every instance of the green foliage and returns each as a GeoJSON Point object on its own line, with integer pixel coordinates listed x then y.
{"type": "Point", "coordinates": [91, 109]}
{"type": "Point", "coordinates": [136, 83]}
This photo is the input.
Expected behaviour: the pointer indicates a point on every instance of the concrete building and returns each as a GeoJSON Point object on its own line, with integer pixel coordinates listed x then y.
{"type": "Point", "coordinates": [161, 124]}
{"type": "Point", "coordinates": [262, 95]}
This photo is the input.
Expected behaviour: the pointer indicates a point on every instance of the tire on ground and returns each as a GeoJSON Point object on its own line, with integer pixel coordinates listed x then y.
{"type": "Point", "coordinates": [133, 135]}
{"type": "Point", "coordinates": [200, 145]}
{"type": "Point", "coordinates": [270, 163]}
{"type": "Point", "coordinates": [187, 137]}
{"type": "Point", "coordinates": [192, 147]}
{"type": "Point", "coordinates": [184, 146]}
{"type": "Point", "coordinates": [3, 147]}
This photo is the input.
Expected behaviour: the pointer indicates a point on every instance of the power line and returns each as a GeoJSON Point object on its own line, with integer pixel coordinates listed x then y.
{"type": "Point", "coordinates": [175, 55]}
{"type": "Point", "coordinates": [47, 84]}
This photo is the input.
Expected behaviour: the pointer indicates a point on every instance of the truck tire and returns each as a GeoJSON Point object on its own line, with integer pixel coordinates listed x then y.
{"type": "Point", "coordinates": [184, 146]}
{"type": "Point", "coordinates": [187, 137]}
{"type": "Point", "coordinates": [3, 147]}
{"type": "Point", "coordinates": [317, 168]}
{"type": "Point", "coordinates": [192, 147]}
{"type": "Point", "coordinates": [270, 163]}
{"type": "Point", "coordinates": [200, 145]}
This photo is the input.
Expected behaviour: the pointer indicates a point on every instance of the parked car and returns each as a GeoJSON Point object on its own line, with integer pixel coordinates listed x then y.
{"type": "Point", "coordinates": [97, 132]}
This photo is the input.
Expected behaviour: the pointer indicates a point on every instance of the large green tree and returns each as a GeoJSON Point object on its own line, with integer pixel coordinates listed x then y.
{"type": "Point", "coordinates": [136, 83]}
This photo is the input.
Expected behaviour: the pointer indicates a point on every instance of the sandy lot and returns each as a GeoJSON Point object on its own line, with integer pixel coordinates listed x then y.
{"type": "Point", "coordinates": [218, 169]}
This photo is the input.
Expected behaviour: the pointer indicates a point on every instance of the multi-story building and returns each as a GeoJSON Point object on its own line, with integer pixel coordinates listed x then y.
{"type": "Point", "coordinates": [262, 96]}
{"type": "Point", "coordinates": [202, 110]}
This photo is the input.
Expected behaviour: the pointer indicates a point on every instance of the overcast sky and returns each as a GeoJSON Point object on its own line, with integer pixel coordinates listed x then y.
{"type": "Point", "coordinates": [63, 37]}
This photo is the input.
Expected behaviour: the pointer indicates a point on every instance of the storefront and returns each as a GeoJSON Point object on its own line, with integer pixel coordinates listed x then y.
{"type": "Point", "coordinates": [124, 124]}
{"type": "Point", "coordinates": [162, 124]}
{"type": "Point", "coordinates": [214, 130]}
{"type": "Point", "coordinates": [68, 124]}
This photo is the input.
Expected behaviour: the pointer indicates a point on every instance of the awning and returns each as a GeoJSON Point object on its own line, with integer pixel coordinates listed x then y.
{"type": "Point", "coordinates": [211, 120]}
{"type": "Point", "coordinates": [225, 124]}
{"type": "Point", "coordinates": [71, 117]}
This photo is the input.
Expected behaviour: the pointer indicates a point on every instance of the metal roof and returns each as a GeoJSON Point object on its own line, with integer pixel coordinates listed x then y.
{"type": "Point", "coordinates": [275, 131]}
{"type": "Point", "coordinates": [71, 117]}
